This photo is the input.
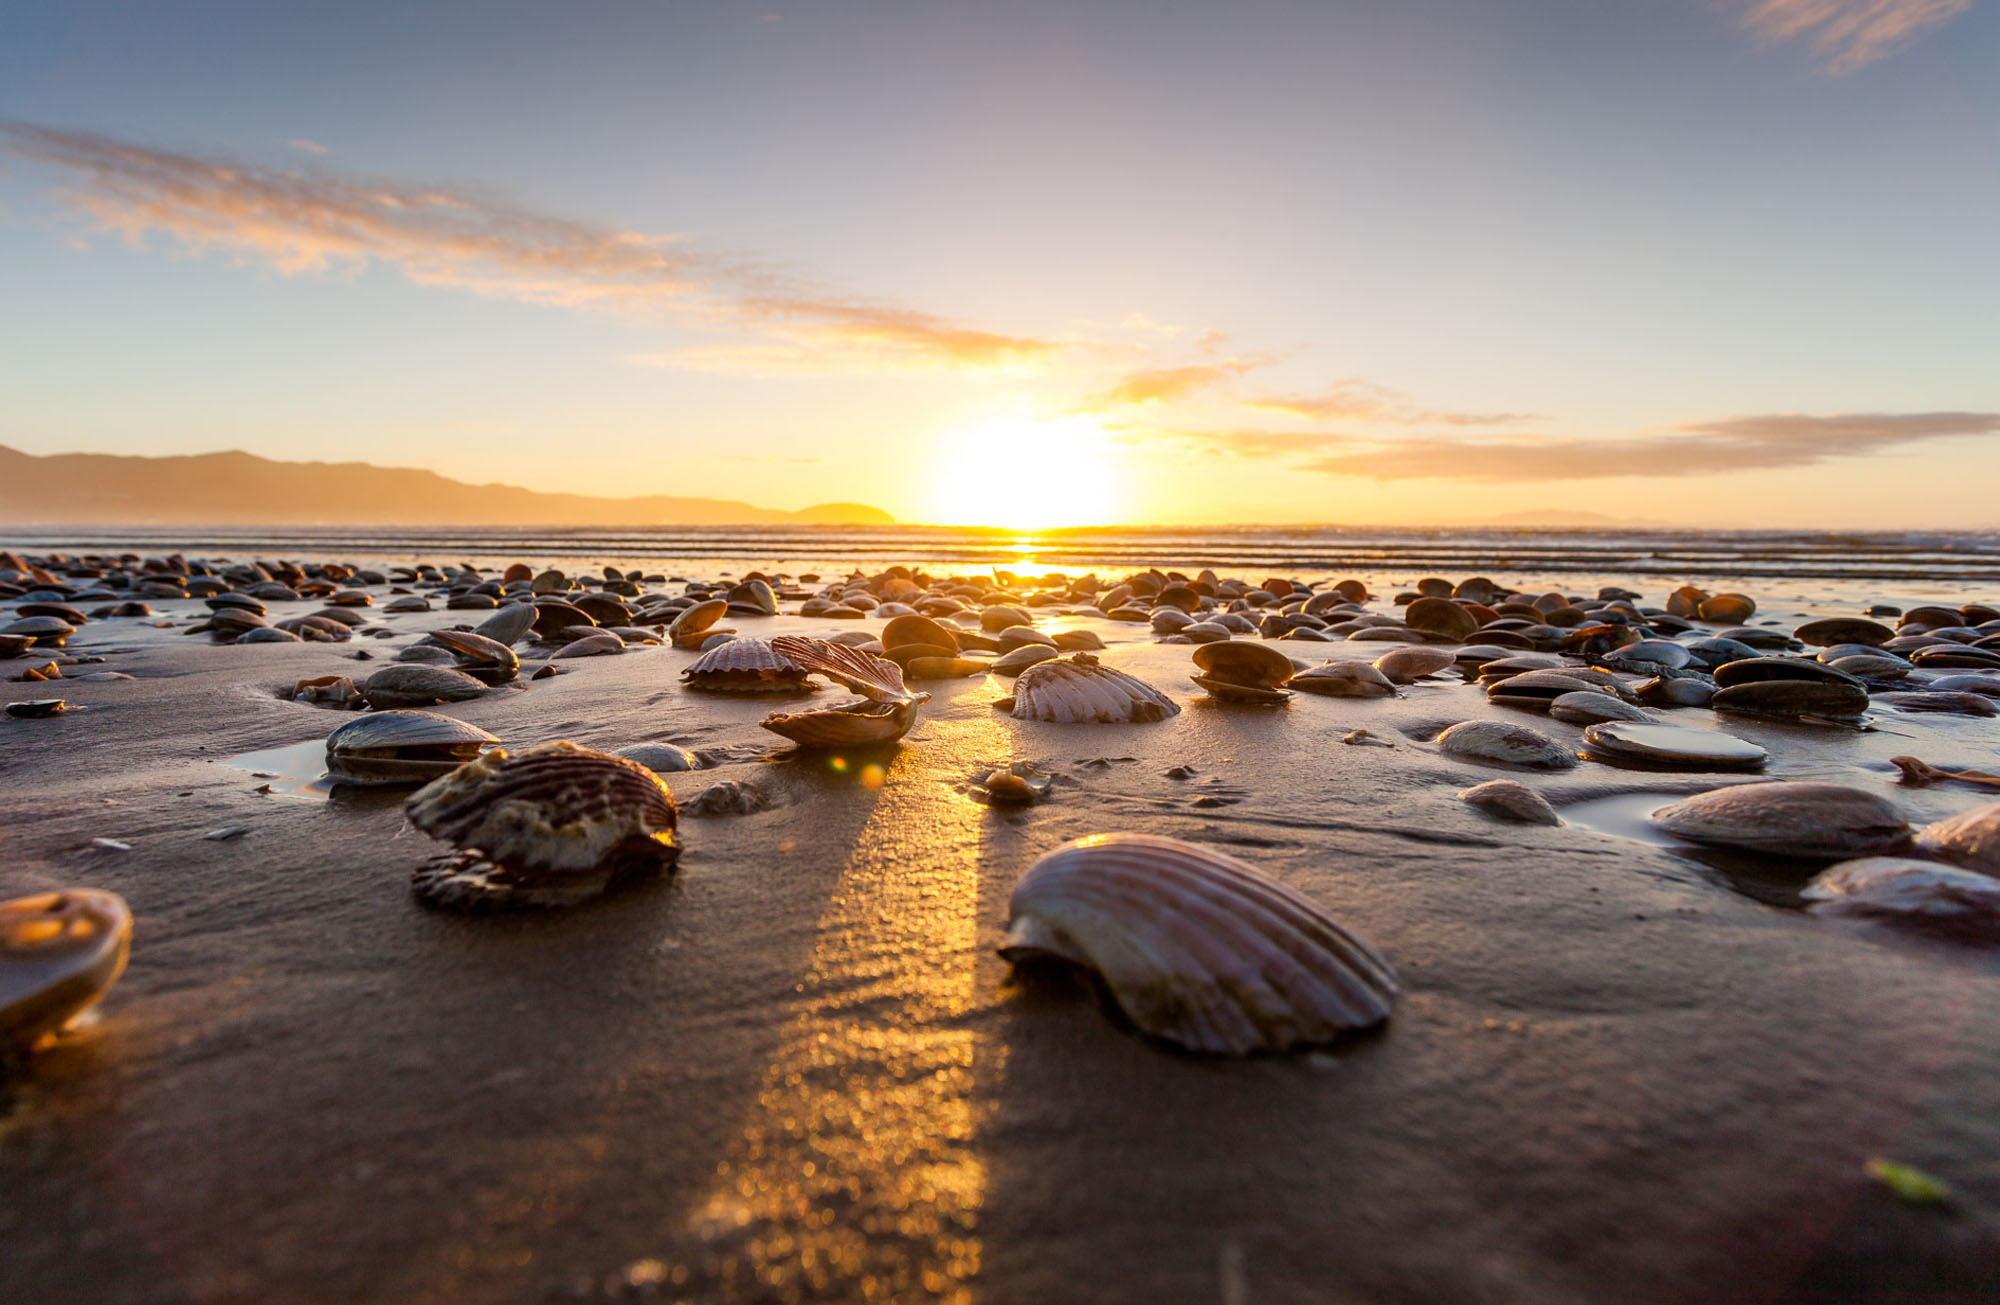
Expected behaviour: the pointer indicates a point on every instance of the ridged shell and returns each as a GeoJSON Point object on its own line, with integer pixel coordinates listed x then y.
{"type": "Point", "coordinates": [1076, 689]}
{"type": "Point", "coordinates": [1915, 892]}
{"type": "Point", "coordinates": [59, 952]}
{"type": "Point", "coordinates": [875, 678]}
{"type": "Point", "coordinates": [412, 684]}
{"type": "Point", "coordinates": [1970, 838]}
{"type": "Point", "coordinates": [1788, 819]}
{"type": "Point", "coordinates": [857, 724]}
{"type": "Point", "coordinates": [1196, 947]}
{"type": "Point", "coordinates": [549, 825]}
{"type": "Point", "coordinates": [745, 666]}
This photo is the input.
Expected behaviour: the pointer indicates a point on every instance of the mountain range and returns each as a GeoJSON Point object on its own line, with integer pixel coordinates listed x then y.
{"type": "Point", "coordinates": [242, 489]}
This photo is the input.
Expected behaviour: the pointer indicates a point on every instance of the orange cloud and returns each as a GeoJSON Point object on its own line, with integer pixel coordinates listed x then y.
{"type": "Point", "coordinates": [1359, 401]}
{"type": "Point", "coordinates": [1848, 34]}
{"type": "Point", "coordinates": [1170, 384]}
{"type": "Point", "coordinates": [315, 222]}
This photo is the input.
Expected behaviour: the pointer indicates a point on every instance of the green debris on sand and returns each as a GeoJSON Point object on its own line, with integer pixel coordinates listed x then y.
{"type": "Point", "coordinates": [1907, 1181]}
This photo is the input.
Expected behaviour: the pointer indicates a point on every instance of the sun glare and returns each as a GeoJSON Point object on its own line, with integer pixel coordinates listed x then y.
{"type": "Point", "coordinates": [1026, 474]}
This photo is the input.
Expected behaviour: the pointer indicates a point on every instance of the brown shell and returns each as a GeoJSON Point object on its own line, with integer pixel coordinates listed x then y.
{"type": "Point", "coordinates": [875, 678]}
{"type": "Point", "coordinates": [745, 666]}
{"type": "Point", "coordinates": [59, 952]}
{"type": "Point", "coordinates": [1244, 662]}
{"type": "Point", "coordinates": [855, 725]}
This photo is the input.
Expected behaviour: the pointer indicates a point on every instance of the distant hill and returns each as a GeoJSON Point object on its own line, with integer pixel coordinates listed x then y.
{"type": "Point", "coordinates": [242, 489]}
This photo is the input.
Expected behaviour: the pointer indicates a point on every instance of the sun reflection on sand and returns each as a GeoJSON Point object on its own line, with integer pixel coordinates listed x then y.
{"type": "Point", "coordinates": [856, 1175]}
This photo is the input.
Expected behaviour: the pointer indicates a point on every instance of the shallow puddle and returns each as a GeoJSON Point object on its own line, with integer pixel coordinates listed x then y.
{"type": "Point", "coordinates": [295, 770]}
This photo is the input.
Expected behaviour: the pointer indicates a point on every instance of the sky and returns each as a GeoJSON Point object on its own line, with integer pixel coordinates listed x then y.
{"type": "Point", "coordinates": [1696, 262]}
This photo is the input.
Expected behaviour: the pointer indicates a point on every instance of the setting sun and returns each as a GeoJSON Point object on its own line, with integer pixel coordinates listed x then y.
{"type": "Point", "coordinates": [1025, 473]}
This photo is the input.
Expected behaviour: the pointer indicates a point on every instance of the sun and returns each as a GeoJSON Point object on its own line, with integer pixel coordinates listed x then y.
{"type": "Point", "coordinates": [1025, 473]}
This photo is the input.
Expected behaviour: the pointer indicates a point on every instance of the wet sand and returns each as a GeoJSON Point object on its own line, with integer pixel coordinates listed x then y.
{"type": "Point", "coordinates": [798, 1070]}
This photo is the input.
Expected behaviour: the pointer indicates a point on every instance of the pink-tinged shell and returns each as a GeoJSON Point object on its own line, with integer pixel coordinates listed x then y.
{"type": "Point", "coordinates": [875, 678]}
{"type": "Point", "coordinates": [1075, 689]}
{"type": "Point", "coordinates": [1196, 947]}
{"type": "Point", "coordinates": [59, 952]}
{"type": "Point", "coordinates": [745, 666]}
{"type": "Point", "coordinates": [548, 825]}
{"type": "Point", "coordinates": [1970, 838]}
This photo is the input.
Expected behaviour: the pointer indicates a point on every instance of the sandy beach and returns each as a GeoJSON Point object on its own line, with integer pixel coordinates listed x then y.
{"type": "Point", "coordinates": [798, 1069]}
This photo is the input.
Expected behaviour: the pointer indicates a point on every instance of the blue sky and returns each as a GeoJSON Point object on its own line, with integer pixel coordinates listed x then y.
{"type": "Point", "coordinates": [1707, 261]}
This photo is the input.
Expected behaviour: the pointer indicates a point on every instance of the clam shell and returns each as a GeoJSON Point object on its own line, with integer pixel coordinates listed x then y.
{"type": "Point", "coordinates": [1664, 692]}
{"type": "Point", "coordinates": [1792, 697]}
{"type": "Point", "coordinates": [1443, 617]}
{"type": "Point", "coordinates": [745, 666]}
{"type": "Point", "coordinates": [1843, 629]}
{"type": "Point", "coordinates": [753, 598]}
{"type": "Point", "coordinates": [547, 826]}
{"type": "Point", "coordinates": [1788, 819]}
{"type": "Point", "coordinates": [1408, 665]}
{"type": "Point", "coordinates": [598, 643]}
{"type": "Point", "coordinates": [1914, 892]}
{"type": "Point", "coordinates": [490, 661]}
{"type": "Point", "coordinates": [1196, 947]}
{"type": "Point", "coordinates": [1589, 707]}
{"type": "Point", "coordinates": [509, 625]}
{"type": "Point", "coordinates": [1079, 641]}
{"type": "Point", "coordinates": [696, 621]}
{"type": "Point", "coordinates": [59, 952]}
{"type": "Point", "coordinates": [1243, 662]}
{"type": "Point", "coordinates": [1343, 680]}
{"type": "Point", "coordinates": [1229, 691]}
{"type": "Point", "coordinates": [1020, 659]}
{"type": "Point", "coordinates": [913, 629]}
{"type": "Point", "coordinates": [1512, 800]}
{"type": "Point", "coordinates": [1508, 745]}
{"type": "Point", "coordinates": [1076, 689]}
{"type": "Point", "coordinates": [401, 747]}
{"type": "Point", "coordinates": [413, 684]}
{"type": "Point", "coordinates": [660, 758]}
{"type": "Point", "coordinates": [1676, 746]}
{"type": "Point", "coordinates": [857, 724]}
{"type": "Point", "coordinates": [1970, 838]}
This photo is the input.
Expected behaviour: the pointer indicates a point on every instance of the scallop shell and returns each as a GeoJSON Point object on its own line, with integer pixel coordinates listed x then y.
{"type": "Point", "coordinates": [401, 747]}
{"type": "Point", "coordinates": [1076, 689]}
{"type": "Point", "coordinates": [1196, 947]}
{"type": "Point", "coordinates": [745, 666]}
{"type": "Point", "coordinates": [550, 825]}
{"type": "Point", "coordinates": [1970, 838]}
{"type": "Point", "coordinates": [59, 952]}
{"type": "Point", "coordinates": [1788, 819]}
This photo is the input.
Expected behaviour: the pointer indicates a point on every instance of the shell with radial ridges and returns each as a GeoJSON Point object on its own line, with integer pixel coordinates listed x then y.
{"type": "Point", "coordinates": [1196, 947]}
{"type": "Point", "coordinates": [1077, 689]}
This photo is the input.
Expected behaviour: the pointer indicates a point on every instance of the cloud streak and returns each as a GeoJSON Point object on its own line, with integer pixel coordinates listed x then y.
{"type": "Point", "coordinates": [1692, 449]}
{"type": "Point", "coordinates": [1847, 34]}
{"type": "Point", "coordinates": [1171, 384]}
{"type": "Point", "coordinates": [1359, 401]}
{"type": "Point", "coordinates": [315, 222]}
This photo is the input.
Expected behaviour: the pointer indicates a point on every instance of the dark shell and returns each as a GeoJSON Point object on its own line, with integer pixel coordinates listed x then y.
{"type": "Point", "coordinates": [59, 952]}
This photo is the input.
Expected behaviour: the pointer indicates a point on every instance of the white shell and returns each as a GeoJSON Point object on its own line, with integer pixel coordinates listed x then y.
{"type": "Point", "coordinates": [1076, 688]}
{"type": "Point", "coordinates": [1196, 947]}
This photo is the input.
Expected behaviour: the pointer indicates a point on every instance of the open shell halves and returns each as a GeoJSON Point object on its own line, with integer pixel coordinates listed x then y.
{"type": "Point", "coordinates": [1196, 947]}
{"type": "Point", "coordinates": [1075, 689]}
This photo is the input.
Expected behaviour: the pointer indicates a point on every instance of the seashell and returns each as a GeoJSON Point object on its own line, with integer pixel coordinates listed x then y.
{"type": "Point", "coordinates": [59, 953]}
{"type": "Point", "coordinates": [729, 797]}
{"type": "Point", "coordinates": [1242, 662]}
{"type": "Point", "coordinates": [914, 629]}
{"type": "Point", "coordinates": [509, 625]}
{"type": "Point", "coordinates": [1872, 669]}
{"type": "Point", "coordinates": [885, 713]}
{"type": "Point", "coordinates": [1921, 893]}
{"type": "Point", "coordinates": [1343, 680]}
{"type": "Point", "coordinates": [408, 603]}
{"type": "Point", "coordinates": [1205, 632]}
{"type": "Point", "coordinates": [1660, 652]}
{"type": "Point", "coordinates": [1788, 819]}
{"type": "Point", "coordinates": [1952, 656]}
{"type": "Point", "coordinates": [1170, 620]}
{"type": "Point", "coordinates": [660, 758]}
{"type": "Point", "coordinates": [1752, 670]}
{"type": "Point", "coordinates": [745, 666]}
{"type": "Point", "coordinates": [598, 643]}
{"type": "Point", "coordinates": [1021, 659]}
{"type": "Point", "coordinates": [1956, 704]}
{"type": "Point", "coordinates": [1792, 697]}
{"type": "Point", "coordinates": [1508, 745]}
{"type": "Point", "coordinates": [37, 708]}
{"type": "Point", "coordinates": [1670, 745]}
{"type": "Point", "coordinates": [1686, 601]}
{"type": "Point", "coordinates": [1986, 686]}
{"type": "Point", "coordinates": [1002, 617]}
{"type": "Point", "coordinates": [1077, 689]}
{"type": "Point", "coordinates": [1018, 785]}
{"type": "Point", "coordinates": [43, 631]}
{"type": "Point", "coordinates": [551, 825]}
{"type": "Point", "coordinates": [1732, 609]}
{"type": "Point", "coordinates": [1970, 838]}
{"type": "Point", "coordinates": [401, 747]}
{"type": "Point", "coordinates": [1408, 665]}
{"type": "Point", "coordinates": [1442, 617]}
{"type": "Point", "coordinates": [1197, 948]}
{"type": "Point", "coordinates": [412, 684]}
{"type": "Point", "coordinates": [1079, 641]}
{"type": "Point", "coordinates": [335, 691]}
{"type": "Point", "coordinates": [1511, 800]}
{"type": "Point", "coordinates": [1229, 691]}
{"type": "Point", "coordinates": [1664, 692]}
{"type": "Point", "coordinates": [490, 661]}
{"type": "Point", "coordinates": [945, 668]}
{"type": "Point", "coordinates": [1538, 689]}
{"type": "Point", "coordinates": [1589, 707]}
{"type": "Point", "coordinates": [552, 616]}
{"type": "Point", "coordinates": [316, 629]}
{"type": "Point", "coordinates": [426, 654]}
{"type": "Point", "coordinates": [1843, 629]}
{"type": "Point", "coordinates": [875, 678]}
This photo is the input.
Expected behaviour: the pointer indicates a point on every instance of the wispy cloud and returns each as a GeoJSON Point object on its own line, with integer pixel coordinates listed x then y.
{"type": "Point", "coordinates": [1692, 449]}
{"type": "Point", "coordinates": [1171, 384]}
{"type": "Point", "coordinates": [316, 222]}
{"type": "Point", "coordinates": [1352, 400]}
{"type": "Point", "coordinates": [308, 146]}
{"type": "Point", "coordinates": [1847, 34]}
